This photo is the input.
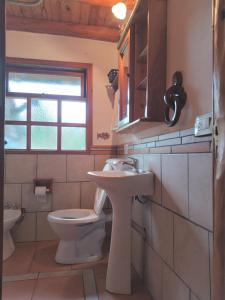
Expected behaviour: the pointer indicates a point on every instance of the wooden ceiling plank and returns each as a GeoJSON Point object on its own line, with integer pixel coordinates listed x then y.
{"type": "Point", "coordinates": [130, 3]}
{"type": "Point", "coordinates": [61, 28]}
{"type": "Point", "coordinates": [76, 11]}
{"type": "Point", "coordinates": [84, 14]}
{"type": "Point", "coordinates": [67, 11]}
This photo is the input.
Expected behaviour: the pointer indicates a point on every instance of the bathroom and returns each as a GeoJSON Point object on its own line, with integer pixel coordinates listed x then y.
{"type": "Point", "coordinates": [164, 242]}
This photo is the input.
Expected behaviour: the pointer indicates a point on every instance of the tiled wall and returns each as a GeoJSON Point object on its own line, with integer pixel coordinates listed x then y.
{"type": "Point", "coordinates": [172, 233]}
{"type": "Point", "coordinates": [71, 188]}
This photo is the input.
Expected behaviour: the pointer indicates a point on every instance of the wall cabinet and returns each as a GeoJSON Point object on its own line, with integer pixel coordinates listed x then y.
{"type": "Point", "coordinates": [142, 66]}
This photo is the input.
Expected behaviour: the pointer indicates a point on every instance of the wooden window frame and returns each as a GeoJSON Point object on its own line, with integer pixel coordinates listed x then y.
{"type": "Point", "coordinates": [53, 67]}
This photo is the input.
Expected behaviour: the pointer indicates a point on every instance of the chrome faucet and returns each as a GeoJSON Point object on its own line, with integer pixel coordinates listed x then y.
{"type": "Point", "coordinates": [133, 163]}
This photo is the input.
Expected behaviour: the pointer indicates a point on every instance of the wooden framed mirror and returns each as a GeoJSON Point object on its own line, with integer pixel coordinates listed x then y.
{"type": "Point", "coordinates": [124, 81]}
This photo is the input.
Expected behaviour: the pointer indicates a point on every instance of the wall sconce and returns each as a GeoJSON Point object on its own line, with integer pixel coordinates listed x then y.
{"type": "Point", "coordinates": [119, 10]}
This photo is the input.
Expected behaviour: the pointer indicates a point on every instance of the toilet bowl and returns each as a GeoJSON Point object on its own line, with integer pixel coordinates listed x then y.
{"type": "Point", "coordinates": [10, 218]}
{"type": "Point", "coordinates": [82, 231]}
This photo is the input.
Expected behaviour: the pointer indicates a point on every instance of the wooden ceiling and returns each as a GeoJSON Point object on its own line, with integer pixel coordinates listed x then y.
{"type": "Point", "coordinates": [91, 19]}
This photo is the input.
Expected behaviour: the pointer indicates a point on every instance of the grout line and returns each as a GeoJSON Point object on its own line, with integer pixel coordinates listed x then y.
{"type": "Point", "coordinates": [182, 217]}
{"type": "Point", "coordinates": [173, 241]}
{"type": "Point", "coordinates": [34, 289]}
{"type": "Point", "coordinates": [210, 275]}
{"type": "Point", "coordinates": [90, 290]}
{"type": "Point", "coordinates": [165, 263]}
{"type": "Point", "coordinates": [13, 278]}
{"type": "Point", "coordinates": [188, 184]}
{"type": "Point", "coordinates": [161, 180]}
{"type": "Point", "coordinates": [42, 275]}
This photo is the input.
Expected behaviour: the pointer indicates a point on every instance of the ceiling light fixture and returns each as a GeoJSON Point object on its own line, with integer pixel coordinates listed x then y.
{"type": "Point", "coordinates": [119, 10]}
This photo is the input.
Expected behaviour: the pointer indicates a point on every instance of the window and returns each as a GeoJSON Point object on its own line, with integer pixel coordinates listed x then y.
{"type": "Point", "coordinates": [47, 109]}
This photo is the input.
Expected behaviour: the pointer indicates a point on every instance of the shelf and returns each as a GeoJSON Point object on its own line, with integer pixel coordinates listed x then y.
{"type": "Point", "coordinates": [142, 85]}
{"type": "Point", "coordinates": [138, 125]}
{"type": "Point", "coordinates": [142, 58]}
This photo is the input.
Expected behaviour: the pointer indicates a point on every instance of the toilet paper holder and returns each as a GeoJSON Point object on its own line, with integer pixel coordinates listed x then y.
{"type": "Point", "coordinates": [44, 182]}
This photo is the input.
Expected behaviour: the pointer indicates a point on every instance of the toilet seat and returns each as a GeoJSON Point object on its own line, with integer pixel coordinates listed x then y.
{"type": "Point", "coordinates": [74, 216]}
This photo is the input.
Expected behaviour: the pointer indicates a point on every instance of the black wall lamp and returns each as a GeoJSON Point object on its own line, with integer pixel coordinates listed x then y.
{"type": "Point", "coordinates": [175, 100]}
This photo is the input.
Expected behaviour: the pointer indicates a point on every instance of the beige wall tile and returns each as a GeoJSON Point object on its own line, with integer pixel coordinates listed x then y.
{"type": "Point", "coordinates": [12, 194]}
{"type": "Point", "coordinates": [100, 161]}
{"type": "Point", "coordinates": [26, 230]}
{"type": "Point", "coordinates": [78, 166]}
{"type": "Point", "coordinates": [20, 168]}
{"type": "Point", "coordinates": [162, 233]}
{"type": "Point", "coordinates": [153, 273]}
{"type": "Point", "coordinates": [148, 220]}
{"type": "Point", "coordinates": [175, 182]}
{"type": "Point", "coordinates": [31, 203]}
{"type": "Point", "coordinates": [44, 230]}
{"type": "Point", "coordinates": [173, 287]}
{"type": "Point", "coordinates": [200, 189]}
{"type": "Point", "coordinates": [137, 252]}
{"type": "Point", "coordinates": [193, 297]}
{"type": "Point", "coordinates": [52, 166]}
{"type": "Point", "coordinates": [152, 162]}
{"type": "Point", "coordinates": [191, 256]}
{"type": "Point", "coordinates": [66, 195]}
{"type": "Point", "coordinates": [88, 190]}
{"type": "Point", "coordinates": [211, 261]}
{"type": "Point", "coordinates": [138, 213]}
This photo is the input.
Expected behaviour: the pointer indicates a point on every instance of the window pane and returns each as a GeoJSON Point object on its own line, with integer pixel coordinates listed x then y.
{"type": "Point", "coordinates": [44, 84]}
{"type": "Point", "coordinates": [16, 136]}
{"type": "Point", "coordinates": [44, 110]}
{"type": "Point", "coordinates": [73, 138]}
{"type": "Point", "coordinates": [44, 137]}
{"type": "Point", "coordinates": [73, 112]}
{"type": "Point", "coordinates": [15, 109]}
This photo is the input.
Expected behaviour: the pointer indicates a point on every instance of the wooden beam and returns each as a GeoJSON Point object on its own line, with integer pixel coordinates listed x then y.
{"type": "Point", "coordinates": [60, 28]}
{"type": "Point", "coordinates": [129, 3]}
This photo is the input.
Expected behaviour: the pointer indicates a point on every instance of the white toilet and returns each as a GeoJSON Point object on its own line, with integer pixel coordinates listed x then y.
{"type": "Point", "coordinates": [82, 231]}
{"type": "Point", "coordinates": [10, 218]}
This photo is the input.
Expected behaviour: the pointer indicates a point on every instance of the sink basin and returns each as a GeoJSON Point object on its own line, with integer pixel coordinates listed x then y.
{"type": "Point", "coordinates": [120, 187]}
{"type": "Point", "coordinates": [127, 182]}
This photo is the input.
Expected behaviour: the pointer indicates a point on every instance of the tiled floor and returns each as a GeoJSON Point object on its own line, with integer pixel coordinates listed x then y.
{"type": "Point", "coordinates": [32, 274]}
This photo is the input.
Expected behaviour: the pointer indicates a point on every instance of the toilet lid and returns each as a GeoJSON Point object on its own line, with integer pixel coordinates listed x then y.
{"type": "Point", "coordinates": [100, 197]}
{"type": "Point", "coordinates": [100, 194]}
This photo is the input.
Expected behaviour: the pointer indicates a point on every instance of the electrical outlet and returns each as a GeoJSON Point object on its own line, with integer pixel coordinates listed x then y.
{"type": "Point", "coordinates": [203, 125]}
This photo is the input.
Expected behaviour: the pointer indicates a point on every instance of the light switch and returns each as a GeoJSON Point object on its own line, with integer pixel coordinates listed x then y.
{"type": "Point", "coordinates": [203, 125]}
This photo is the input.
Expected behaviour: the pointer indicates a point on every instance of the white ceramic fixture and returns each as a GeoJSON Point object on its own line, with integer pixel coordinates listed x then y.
{"type": "Point", "coordinates": [10, 218]}
{"type": "Point", "coordinates": [81, 231]}
{"type": "Point", "coordinates": [120, 187]}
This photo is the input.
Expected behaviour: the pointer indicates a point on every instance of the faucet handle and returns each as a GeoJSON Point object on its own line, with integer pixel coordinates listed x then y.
{"type": "Point", "coordinates": [134, 161]}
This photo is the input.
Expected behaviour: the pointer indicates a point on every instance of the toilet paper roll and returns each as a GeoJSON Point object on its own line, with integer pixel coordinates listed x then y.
{"type": "Point", "coordinates": [40, 191]}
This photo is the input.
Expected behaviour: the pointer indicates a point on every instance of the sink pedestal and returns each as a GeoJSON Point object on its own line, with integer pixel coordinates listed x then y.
{"type": "Point", "coordinates": [118, 278]}
{"type": "Point", "coordinates": [120, 187]}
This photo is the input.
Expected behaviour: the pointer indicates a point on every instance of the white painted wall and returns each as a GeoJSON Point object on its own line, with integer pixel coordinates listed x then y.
{"type": "Point", "coordinates": [103, 56]}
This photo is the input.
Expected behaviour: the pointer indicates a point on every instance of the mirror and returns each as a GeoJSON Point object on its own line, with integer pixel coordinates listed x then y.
{"type": "Point", "coordinates": [124, 81]}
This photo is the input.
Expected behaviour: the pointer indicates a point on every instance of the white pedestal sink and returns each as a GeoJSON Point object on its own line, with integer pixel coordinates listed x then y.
{"type": "Point", "coordinates": [120, 187]}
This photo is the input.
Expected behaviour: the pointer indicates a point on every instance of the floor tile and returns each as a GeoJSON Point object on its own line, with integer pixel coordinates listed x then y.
{"type": "Point", "coordinates": [19, 290]}
{"type": "Point", "coordinates": [59, 288]}
{"type": "Point", "coordinates": [44, 258]}
{"type": "Point", "coordinates": [138, 293]}
{"type": "Point", "coordinates": [21, 260]}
